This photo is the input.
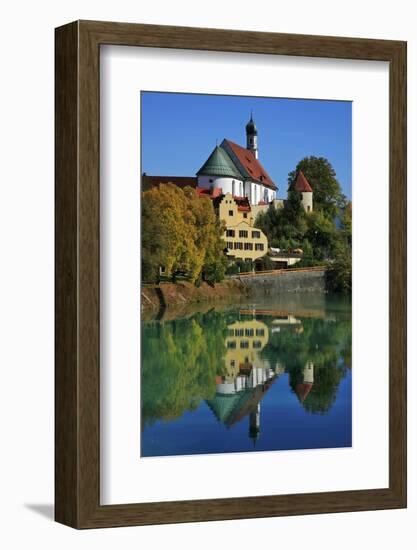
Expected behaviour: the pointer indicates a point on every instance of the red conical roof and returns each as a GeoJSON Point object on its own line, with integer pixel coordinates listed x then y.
{"type": "Point", "coordinates": [301, 184]}
{"type": "Point", "coordinates": [302, 391]}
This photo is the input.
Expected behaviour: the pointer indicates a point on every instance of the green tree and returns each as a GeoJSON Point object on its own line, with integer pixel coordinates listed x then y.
{"type": "Point", "coordinates": [339, 270]}
{"type": "Point", "coordinates": [346, 224]}
{"type": "Point", "coordinates": [180, 361]}
{"type": "Point", "coordinates": [322, 342]}
{"type": "Point", "coordinates": [328, 196]}
{"type": "Point", "coordinates": [339, 273]}
{"type": "Point", "coordinates": [284, 227]}
{"type": "Point", "coordinates": [322, 234]}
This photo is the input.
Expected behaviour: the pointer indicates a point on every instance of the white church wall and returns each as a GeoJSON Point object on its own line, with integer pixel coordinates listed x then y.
{"type": "Point", "coordinates": [271, 195]}
{"type": "Point", "coordinates": [247, 190]}
{"type": "Point", "coordinates": [253, 197]}
{"type": "Point", "coordinates": [257, 192]}
{"type": "Point", "coordinates": [227, 185]}
{"type": "Point", "coordinates": [254, 191]}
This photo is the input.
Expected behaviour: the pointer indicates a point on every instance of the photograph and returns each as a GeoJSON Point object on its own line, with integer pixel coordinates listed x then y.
{"type": "Point", "coordinates": [246, 273]}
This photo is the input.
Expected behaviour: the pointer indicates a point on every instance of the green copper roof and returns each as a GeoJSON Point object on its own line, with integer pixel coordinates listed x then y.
{"type": "Point", "coordinates": [224, 406]}
{"type": "Point", "coordinates": [219, 164]}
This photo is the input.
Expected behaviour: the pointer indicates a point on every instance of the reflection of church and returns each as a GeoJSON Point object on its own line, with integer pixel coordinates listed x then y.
{"type": "Point", "coordinates": [248, 376]}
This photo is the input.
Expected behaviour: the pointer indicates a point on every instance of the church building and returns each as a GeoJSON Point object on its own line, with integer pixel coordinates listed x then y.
{"type": "Point", "coordinates": [237, 170]}
{"type": "Point", "coordinates": [240, 188]}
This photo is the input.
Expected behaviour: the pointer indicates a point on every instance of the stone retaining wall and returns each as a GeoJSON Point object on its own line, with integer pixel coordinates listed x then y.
{"type": "Point", "coordinates": [285, 281]}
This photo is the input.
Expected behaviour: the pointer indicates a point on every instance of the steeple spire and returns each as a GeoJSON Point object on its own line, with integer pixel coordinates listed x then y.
{"type": "Point", "coordinates": [254, 423]}
{"type": "Point", "coordinates": [252, 136]}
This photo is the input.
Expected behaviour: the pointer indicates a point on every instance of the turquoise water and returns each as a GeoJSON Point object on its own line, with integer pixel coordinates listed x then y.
{"type": "Point", "coordinates": [260, 376]}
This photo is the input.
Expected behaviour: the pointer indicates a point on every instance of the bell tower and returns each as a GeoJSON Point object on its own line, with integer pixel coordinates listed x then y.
{"type": "Point", "coordinates": [252, 137]}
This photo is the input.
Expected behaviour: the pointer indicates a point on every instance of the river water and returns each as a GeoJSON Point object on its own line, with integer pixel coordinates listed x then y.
{"type": "Point", "coordinates": [264, 375]}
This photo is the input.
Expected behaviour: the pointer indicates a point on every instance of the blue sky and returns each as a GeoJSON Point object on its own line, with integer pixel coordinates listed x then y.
{"type": "Point", "coordinates": [179, 131]}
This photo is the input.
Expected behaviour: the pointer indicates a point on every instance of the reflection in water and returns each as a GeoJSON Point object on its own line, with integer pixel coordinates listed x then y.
{"type": "Point", "coordinates": [247, 376]}
{"type": "Point", "coordinates": [206, 379]}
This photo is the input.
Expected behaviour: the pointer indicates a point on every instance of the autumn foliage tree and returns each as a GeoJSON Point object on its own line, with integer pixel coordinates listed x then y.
{"type": "Point", "coordinates": [180, 232]}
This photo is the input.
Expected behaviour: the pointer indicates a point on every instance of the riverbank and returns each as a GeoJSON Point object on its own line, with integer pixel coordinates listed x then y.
{"type": "Point", "coordinates": [237, 288]}
{"type": "Point", "coordinates": [183, 293]}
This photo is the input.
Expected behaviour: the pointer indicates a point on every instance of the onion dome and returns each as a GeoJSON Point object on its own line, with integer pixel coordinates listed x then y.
{"type": "Point", "coordinates": [251, 127]}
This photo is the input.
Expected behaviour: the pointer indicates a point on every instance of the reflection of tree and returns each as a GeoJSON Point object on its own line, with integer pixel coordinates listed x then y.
{"type": "Point", "coordinates": [180, 360]}
{"type": "Point", "coordinates": [324, 343]}
{"type": "Point", "coordinates": [324, 390]}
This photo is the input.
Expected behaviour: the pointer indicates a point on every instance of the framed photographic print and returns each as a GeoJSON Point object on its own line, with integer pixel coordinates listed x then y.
{"type": "Point", "coordinates": [230, 274]}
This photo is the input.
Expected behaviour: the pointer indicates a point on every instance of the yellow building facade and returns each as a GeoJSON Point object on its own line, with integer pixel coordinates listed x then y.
{"type": "Point", "coordinates": [245, 340]}
{"type": "Point", "coordinates": [243, 241]}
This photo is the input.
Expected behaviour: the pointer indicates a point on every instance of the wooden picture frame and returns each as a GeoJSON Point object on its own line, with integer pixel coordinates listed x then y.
{"type": "Point", "coordinates": [77, 405]}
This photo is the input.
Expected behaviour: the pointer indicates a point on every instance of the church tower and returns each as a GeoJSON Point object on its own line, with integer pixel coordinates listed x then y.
{"type": "Point", "coordinates": [252, 137]}
{"type": "Point", "coordinates": [255, 423]}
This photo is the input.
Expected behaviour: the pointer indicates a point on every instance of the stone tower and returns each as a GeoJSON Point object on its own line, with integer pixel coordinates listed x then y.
{"type": "Point", "coordinates": [304, 188]}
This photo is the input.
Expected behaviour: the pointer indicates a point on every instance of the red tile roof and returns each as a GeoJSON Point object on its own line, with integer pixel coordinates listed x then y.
{"type": "Point", "coordinates": [210, 193]}
{"type": "Point", "coordinates": [301, 184]}
{"type": "Point", "coordinates": [250, 164]}
{"type": "Point", "coordinates": [243, 204]}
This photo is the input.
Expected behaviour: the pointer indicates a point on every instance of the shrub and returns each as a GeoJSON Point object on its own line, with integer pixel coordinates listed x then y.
{"type": "Point", "coordinates": [339, 274]}
{"type": "Point", "coordinates": [264, 264]}
{"type": "Point", "coordinates": [232, 269]}
{"type": "Point", "coordinates": [244, 266]}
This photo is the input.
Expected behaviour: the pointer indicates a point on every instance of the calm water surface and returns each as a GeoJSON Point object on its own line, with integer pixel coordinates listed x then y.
{"type": "Point", "coordinates": [267, 375]}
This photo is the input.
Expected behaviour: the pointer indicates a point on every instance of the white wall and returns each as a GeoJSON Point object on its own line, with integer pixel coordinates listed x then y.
{"type": "Point", "coordinates": [271, 195]}
{"type": "Point", "coordinates": [307, 201]}
{"type": "Point", "coordinates": [223, 183]}
{"type": "Point", "coordinates": [26, 400]}
{"type": "Point", "coordinates": [256, 192]}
